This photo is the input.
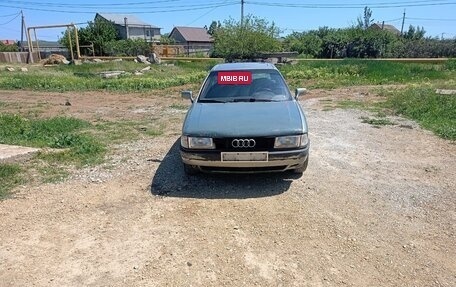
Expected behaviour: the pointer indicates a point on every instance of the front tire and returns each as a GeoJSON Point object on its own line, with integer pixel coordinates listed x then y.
{"type": "Point", "coordinates": [190, 169]}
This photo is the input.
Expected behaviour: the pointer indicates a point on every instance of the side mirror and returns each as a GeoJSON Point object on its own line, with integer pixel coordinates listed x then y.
{"type": "Point", "coordinates": [300, 92]}
{"type": "Point", "coordinates": [187, 95]}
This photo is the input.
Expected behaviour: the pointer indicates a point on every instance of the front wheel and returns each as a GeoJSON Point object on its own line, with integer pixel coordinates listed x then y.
{"type": "Point", "coordinates": [190, 169]}
{"type": "Point", "coordinates": [302, 168]}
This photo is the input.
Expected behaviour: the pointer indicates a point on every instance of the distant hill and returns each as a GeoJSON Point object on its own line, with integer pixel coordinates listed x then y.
{"type": "Point", "coordinates": [47, 44]}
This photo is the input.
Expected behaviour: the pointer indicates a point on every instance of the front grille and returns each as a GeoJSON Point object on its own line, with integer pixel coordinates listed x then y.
{"type": "Point", "coordinates": [243, 169]}
{"type": "Point", "coordinates": [262, 144]}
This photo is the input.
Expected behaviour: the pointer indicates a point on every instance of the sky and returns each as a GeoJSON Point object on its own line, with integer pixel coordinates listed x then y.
{"type": "Point", "coordinates": [438, 17]}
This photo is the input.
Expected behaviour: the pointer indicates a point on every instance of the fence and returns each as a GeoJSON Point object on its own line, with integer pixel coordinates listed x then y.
{"type": "Point", "coordinates": [19, 57]}
{"type": "Point", "coordinates": [182, 50]}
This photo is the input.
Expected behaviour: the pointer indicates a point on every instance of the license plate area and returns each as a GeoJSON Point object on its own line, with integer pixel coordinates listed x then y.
{"type": "Point", "coordinates": [244, 156]}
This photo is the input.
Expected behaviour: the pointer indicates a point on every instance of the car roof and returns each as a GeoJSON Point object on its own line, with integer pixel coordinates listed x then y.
{"type": "Point", "coordinates": [243, 66]}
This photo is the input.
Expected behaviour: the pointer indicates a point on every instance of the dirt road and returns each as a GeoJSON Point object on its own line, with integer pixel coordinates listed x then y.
{"type": "Point", "coordinates": [376, 207]}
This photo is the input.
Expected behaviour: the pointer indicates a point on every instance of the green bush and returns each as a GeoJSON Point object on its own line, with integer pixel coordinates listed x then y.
{"type": "Point", "coordinates": [127, 47]}
{"type": "Point", "coordinates": [451, 65]}
{"type": "Point", "coordinates": [8, 48]}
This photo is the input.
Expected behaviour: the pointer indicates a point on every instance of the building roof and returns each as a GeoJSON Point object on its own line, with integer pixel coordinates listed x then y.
{"type": "Point", "coordinates": [119, 19]}
{"type": "Point", "coordinates": [8, 42]}
{"type": "Point", "coordinates": [193, 34]}
{"type": "Point", "coordinates": [387, 27]}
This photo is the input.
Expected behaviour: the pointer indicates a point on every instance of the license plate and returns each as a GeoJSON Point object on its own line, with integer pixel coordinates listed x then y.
{"type": "Point", "coordinates": [244, 156]}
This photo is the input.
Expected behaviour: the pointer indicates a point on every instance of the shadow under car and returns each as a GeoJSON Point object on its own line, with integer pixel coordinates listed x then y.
{"type": "Point", "coordinates": [170, 180]}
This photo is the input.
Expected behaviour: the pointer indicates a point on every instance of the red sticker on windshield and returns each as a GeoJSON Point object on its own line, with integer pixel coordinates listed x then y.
{"type": "Point", "coordinates": [234, 78]}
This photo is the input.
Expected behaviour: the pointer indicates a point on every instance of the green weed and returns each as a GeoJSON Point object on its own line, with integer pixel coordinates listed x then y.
{"type": "Point", "coordinates": [15, 129]}
{"type": "Point", "coordinates": [179, 107]}
{"type": "Point", "coordinates": [332, 74]}
{"type": "Point", "coordinates": [433, 111]}
{"type": "Point", "coordinates": [52, 173]}
{"type": "Point", "coordinates": [451, 65]}
{"type": "Point", "coordinates": [10, 176]}
{"type": "Point", "coordinates": [59, 133]}
{"type": "Point", "coordinates": [377, 121]}
{"type": "Point", "coordinates": [86, 77]}
{"type": "Point", "coordinates": [153, 132]}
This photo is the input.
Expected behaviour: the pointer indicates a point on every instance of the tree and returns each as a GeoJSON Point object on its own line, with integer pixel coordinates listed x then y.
{"type": "Point", "coordinates": [365, 21]}
{"type": "Point", "coordinates": [307, 44]}
{"type": "Point", "coordinates": [214, 26]}
{"type": "Point", "coordinates": [255, 36]}
{"type": "Point", "coordinates": [8, 48]}
{"type": "Point", "coordinates": [128, 47]}
{"type": "Point", "coordinates": [415, 33]}
{"type": "Point", "coordinates": [97, 33]}
{"type": "Point", "coordinates": [166, 40]}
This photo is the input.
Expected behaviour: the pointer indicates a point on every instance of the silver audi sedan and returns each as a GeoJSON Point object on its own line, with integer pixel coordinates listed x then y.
{"type": "Point", "coordinates": [244, 120]}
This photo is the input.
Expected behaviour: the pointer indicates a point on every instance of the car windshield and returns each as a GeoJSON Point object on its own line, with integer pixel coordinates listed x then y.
{"type": "Point", "coordinates": [244, 86]}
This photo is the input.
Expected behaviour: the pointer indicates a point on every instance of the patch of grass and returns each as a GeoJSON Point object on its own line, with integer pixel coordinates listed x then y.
{"type": "Point", "coordinates": [84, 150]}
{"type": "Point", "coordinates": [179, 107]}
{"type": "Point", "coordinates": [52, 173]}
{"type": "Point", "coordinates": [377, 121]}
{"type": "Point", "coordinates": [114, 132]}
{"type": "Point", "coordinates": [153, 132]}
{"type": "Point", "coordinates": [15, 129]}
{"type": "Point", "coordinates": [86, 77]}
{"type": "Point", "coordinates": [350, 104]}
{"type": "Point", "coordinates": [10, 177]}
{"type": "Point", "coordinates": [332, 74]}
{"type": "Point", "coordinates": [58, 133]}
{"type": "Point", "coordinates": [451, 65]}
{"type": "Point", "coordinates": [433, 111]}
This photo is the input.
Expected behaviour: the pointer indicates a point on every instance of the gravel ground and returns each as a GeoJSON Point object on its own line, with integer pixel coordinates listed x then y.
{"type": "Point", "coordinates": [376, 207]}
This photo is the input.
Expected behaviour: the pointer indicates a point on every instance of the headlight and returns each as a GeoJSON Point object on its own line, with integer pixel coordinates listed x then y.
{"type": "Point", "coordinates": [184, 141]}
{"type": "Point", "coordinates": [304, 140]}
{"type": "Point", "coordinates": [291, 141]}
{"type": "Point", "coordinates": [197, 143]}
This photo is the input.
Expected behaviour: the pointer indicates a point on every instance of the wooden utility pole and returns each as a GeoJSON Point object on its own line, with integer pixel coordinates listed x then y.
{"type": "Point", "coordinates": [403, 20]}
{"type": "Point", "coordinates": [127, 33]}
{"type": "Point", "coordinates": [22, 32]}
{"type": "Point", "coordinates": [242, 12]}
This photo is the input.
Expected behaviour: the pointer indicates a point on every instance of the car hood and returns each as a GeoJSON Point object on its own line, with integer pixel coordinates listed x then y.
{"type": "Point", "coordinates": [244, 119]}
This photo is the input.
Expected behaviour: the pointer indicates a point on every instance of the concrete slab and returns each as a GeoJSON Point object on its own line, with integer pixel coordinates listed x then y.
{"type": "Point", "coordinates": [13, 152]}
{"type": "Point", "coordinates": [445, 92]}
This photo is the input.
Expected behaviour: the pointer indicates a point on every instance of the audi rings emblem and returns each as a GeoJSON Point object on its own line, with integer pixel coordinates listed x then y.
{"type": "Point", "coordinates": [243, 143]}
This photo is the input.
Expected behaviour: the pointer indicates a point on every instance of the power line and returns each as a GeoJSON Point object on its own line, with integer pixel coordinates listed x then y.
{"type": "Point", "coordinates": [9, 29]}
{"type": "Point", "coordinates": [430, 19]}
{"type": "Point", "coordinates": [363, 4]}
{"type": "Point", "coordinates": [64, 4]}
{"type": "Point", "coordinates": [204, 14]}
{"type": "Point", "coordinates": [7, 22]}
{"type": "Point", "coordinates": [96, 6]}
{"type": "Point", "coordinates": [351, 6]}
{"type": "Point", "coordinates": [393, 20]}
{"type": "Point", "coordinates": [153, 11]}
{"type": "Point", "coordinates": [114, 5]}
{"type": "Point", "coordinates": [9, 15]}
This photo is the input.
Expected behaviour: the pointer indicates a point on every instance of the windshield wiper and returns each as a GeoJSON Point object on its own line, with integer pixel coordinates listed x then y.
{"type": "Point", "coordinates": [251, 100]}
{"type": "Point", "coordinates": [210, 101]}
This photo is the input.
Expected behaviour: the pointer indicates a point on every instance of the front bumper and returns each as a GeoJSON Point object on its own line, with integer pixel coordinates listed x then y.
{"type": "Point", "coordinates": [210, 161]}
